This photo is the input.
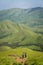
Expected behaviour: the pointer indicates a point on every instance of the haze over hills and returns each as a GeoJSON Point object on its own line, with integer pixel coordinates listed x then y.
{"type": "Point", "coordinates": [32, 17]}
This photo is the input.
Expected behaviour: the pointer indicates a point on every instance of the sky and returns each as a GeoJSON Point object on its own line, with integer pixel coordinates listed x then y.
{"type": "Point", "coordinates": [6, 4]}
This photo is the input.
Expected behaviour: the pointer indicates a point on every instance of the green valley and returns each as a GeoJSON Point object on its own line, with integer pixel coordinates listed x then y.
{"type": "Point", "coordinates": [21, 31]}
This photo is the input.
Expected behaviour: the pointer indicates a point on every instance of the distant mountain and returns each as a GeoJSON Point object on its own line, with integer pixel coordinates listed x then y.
{"type": "Point", "coordinates": [32, 17]}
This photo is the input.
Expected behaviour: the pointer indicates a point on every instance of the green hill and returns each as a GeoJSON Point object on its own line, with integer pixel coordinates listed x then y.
{"type": "Point", "coordinates": [16, 35]}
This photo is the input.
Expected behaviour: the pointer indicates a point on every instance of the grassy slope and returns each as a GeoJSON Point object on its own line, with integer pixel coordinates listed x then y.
{"type": "Point", "coordinates": [33, 56]}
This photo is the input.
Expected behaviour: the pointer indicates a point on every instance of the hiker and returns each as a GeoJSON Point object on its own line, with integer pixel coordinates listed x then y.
{"type": "Point", "coordinates": [24, 55]}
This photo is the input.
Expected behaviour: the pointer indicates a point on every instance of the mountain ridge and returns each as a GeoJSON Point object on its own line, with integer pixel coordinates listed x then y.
{"type": "Point", "coordinates": [32, 17]}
